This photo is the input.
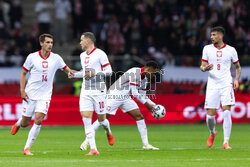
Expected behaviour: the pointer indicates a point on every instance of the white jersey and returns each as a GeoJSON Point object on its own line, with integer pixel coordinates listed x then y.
{"type": "Point", "coordinates": [131, 82]}
{"type": "Point", "coordinates": [42, 71]}
{"type": "Point", "coordinates": [221, 58]}
{"type": "Point", "coordinates": [96, 60]}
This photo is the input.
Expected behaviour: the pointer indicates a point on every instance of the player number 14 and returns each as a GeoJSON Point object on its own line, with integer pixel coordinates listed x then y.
{"type": "Point", "coordinates": [44, 78]}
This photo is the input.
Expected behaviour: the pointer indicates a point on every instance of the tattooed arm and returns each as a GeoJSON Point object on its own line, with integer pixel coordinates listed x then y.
{"type": "Point", "coordinates": [238, 72]}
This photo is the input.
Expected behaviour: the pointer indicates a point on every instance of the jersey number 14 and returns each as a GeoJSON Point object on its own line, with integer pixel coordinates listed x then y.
{"type": "Point", "coordinates": [44, 78]}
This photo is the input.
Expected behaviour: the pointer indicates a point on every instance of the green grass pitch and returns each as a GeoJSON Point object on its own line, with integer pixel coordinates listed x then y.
{"type": "Point", "coordinates": [180, 146]}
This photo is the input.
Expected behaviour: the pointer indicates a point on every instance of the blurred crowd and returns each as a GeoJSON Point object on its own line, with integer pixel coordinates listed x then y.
{"type": "Point", "coordinates": [172, 32]}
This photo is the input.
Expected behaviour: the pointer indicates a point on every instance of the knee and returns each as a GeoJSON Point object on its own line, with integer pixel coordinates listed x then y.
{"type": "Point", "coordinates": [25, 124]}
{"type": "Point", "coordinates": [38, 120]}
{"type": "Point", "coordinates": [86, 114]}
{"type": "Point", "coordinates": [139, 117]}
{"type": "Point", "coordinates": [211, 112]}
{"type": "Point", "coordinates": [224, 108]}
{"type": "Point", "coordinates": [101, 118]}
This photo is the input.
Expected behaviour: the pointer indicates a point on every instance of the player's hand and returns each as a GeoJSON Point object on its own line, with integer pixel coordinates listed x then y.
{"type": "Point", "coordinates": [209, 67]}
{"type": "Point", "coordinates": [150, 107]}
{"type": "Point", "coordinates": [24, 96]}
{"type": "Point", "coordinates": [89, 74]}
{"type": "Point", "coordinates": [70, 74]}
{"type": "Point", "coordinates": [154, 109]}
{"type": "Point", "coordinates": [236, 84]}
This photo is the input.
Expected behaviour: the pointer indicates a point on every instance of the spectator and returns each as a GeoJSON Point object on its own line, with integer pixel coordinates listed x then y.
{"type": "Point", "coordinates": [16, 58]}
{"type": "Point", "coordinates": [16, 14]}
{"type": "Point", "coordinates": [3, 58]}
{"type": "Point", "coordinates": [62, 9]}
{"type": "Point", "coordinates": [43, 9]}
{"type": "Point", "coordinates": [77, 18]}
{"type": "Point", "coordinates": [4, 13]}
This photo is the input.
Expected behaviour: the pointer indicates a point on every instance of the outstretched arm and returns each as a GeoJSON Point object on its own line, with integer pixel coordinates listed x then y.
{"type": "Point", "coordinates": [22, 85]}
{"type": "Point", "coordinates": [238, 73]}
{"type": "Point", "coordinates": [76, 74]}
{"type": "Point", "coordinates": [142, 98]}
{"type": "Point", "coordinates": [68, 71]}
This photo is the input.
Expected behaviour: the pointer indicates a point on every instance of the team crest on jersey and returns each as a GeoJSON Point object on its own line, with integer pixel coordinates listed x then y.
{"type": "Point", "coordinates": [45, 64]}
{"type": "Point", "coordinates": [219, 54]}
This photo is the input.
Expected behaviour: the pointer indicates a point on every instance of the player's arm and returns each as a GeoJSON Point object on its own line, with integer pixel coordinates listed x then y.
{"type": "Point", "coordinates": [107, 70]}
{"type": "Point", "coordinates": [205, 66]}
{"type": "Point", "coordinates": [76, 74]}
{"type": "Point", "coordinates": [105, 65]}
{"type": "Point", "coordinates": [68, 71]}
{"type": "Point", "coordinates": [143, 93]}
{"type": "Point", "coordinates": [149, 103]}
{"type": "Point", "coordinates": [139, 97]}
{"type": "Point", "coordinates": [22, 85]}
{"type": "Point", "coordinates": [238, 73]}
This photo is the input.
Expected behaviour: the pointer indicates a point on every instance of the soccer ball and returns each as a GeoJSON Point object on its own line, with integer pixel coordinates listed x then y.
{"type": "Point", "coordinates": [159, 112]}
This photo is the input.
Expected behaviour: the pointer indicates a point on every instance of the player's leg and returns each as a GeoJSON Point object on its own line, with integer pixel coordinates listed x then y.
{"type": "Point", "coordinates": [27, 113]}
{"type": "Point", "coordinates": [89, 131]}
{"type": "Point", "coordinates": [87, 109]}
{"type": "Point", "coordinates": [34, 131]}
{"type": "Point", "coordinates": [101, 110]}
{"type": "Point", "coordinates": [106, 126]}
{"type": "Point", "coordinates": [227, 126]}
{"type": "Point", "coordinates": [211, 126]}
{"type": "Point", "coordinates": [41, 109]}
{"type": "Point", "coordinates": [112, 106]}
{"type": "Point", "coordinates": [211, 120]}
{"type": "Point", "coordinates": [227, 100]}
{"type": "Point", "coordinates": [96, 125]}
{"type": "Point", "coordinates": [132, 109]}
{"type": "Point", "coordinates": [212, 103]}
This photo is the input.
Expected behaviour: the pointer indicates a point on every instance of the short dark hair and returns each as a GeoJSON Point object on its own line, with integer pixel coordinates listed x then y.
{"type": "Point", "coordinates": [90, 36]}
{"type": "Point", "coordinates": [43, 36]}
{"type": "Point", "coordinates": [152, 64]}
{"type": "Point", "coordinates": [218, 29]}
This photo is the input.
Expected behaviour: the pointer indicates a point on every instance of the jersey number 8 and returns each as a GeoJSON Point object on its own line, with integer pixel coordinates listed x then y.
{"type": "Point", "coordinates": [218, 66]}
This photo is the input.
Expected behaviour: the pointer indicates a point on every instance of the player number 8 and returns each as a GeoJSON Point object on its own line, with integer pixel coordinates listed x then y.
{"type": "Point", "coordinates": [218, 66]}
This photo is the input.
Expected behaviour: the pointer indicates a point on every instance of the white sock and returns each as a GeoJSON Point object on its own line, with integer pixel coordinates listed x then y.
{"type": "Point", "coordinates": [34, 131]}
{"type": "Point", "coordinates": [90, 133]}
{"type": "Point", "coordinates": [96, 125]}
{"type": "Point", "coordinates": [143, 131]}
{"type": "Point", "coordinates": [106, 126]}
{"type": "Point", "coordinates": [227, 125]}
{"type": "Point", "coordinates": [211, 124]}
{"type": "Point", "coordinates": [19, 122]}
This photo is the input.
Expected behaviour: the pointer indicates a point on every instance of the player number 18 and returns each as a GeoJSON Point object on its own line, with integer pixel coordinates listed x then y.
{"type": "Point", "coordinates": [101, 104]}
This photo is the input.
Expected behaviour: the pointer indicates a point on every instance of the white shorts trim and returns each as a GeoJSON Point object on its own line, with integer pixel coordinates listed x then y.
{"type": "Point", "coordinates": [32, 106]}
{"type": "Point", "coordinates": [223, 96]}
{"type": "Point", "coordinates": [93, 103]}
